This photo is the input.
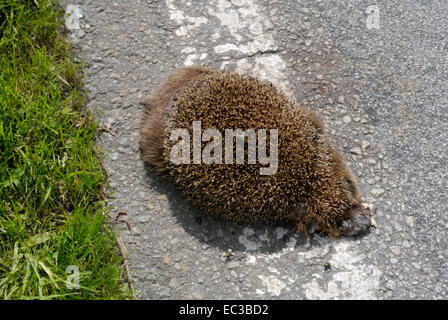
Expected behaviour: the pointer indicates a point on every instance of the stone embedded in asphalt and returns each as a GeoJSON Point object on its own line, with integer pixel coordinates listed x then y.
{"type": "Point", "coordinates": [356, 151]}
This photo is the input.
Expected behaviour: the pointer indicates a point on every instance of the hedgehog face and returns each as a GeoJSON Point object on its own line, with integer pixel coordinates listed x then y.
{"type": "Point", "coordinates": [358, 223]}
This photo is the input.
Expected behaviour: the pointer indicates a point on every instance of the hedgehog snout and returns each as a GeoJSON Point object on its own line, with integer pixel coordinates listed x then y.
{"type": "Point", "coordinates": [358, 223]}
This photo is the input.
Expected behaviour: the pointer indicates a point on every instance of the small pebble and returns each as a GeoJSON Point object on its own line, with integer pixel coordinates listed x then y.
{"type": "Point", "coordinates": [395, 250]}
{"type": "Point", "coordinates": [377, 191]}
{"type": "Point", "coordinates": [365, 144]}
{"type": "Point", "coordinates": [347, 119]}
{"type": "Point", "coordinates": [114, 156]}
{"type": "Point", "coordinates": [144, 219]}
{"type": "Point", "coordinates": [233, 265]}
{"type": "Point", "coordinates": [356, 151]}
{"type": "Point", "coordinates": [174, 283]}
{"type": "Point", "coordinates": [409, 221]}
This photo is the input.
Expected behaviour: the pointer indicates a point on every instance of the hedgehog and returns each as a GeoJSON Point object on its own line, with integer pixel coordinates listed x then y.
{"type": "Point", "coordinates": [312, 187]}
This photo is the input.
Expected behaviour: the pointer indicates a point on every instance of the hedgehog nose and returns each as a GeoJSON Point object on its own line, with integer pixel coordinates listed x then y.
{"type": "Point", "coordinates": [358, 223]}
{"type": "Point", "coordinates": [351, 228]}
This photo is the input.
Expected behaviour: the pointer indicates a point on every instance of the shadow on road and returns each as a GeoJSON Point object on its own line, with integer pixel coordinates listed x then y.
{"type": "Point", "coordinates": [227, 235]}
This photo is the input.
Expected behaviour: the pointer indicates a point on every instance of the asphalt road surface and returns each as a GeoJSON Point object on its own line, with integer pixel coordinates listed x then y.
{"type": "Point", "coordinates": [378, 76]}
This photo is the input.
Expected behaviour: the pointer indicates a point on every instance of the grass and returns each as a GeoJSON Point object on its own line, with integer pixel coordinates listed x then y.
{"type": "Point", "coordinates": [52, 203]}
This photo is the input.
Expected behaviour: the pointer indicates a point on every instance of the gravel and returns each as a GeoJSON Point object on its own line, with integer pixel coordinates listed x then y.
{"type": "Point", "coordinates": [382, 93]}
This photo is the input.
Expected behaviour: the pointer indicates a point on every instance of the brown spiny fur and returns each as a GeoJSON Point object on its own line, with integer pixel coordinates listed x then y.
{"type": "Point", "coordinates": [156, 112]}
{"type": "Point", "coordinates": [312, 183]}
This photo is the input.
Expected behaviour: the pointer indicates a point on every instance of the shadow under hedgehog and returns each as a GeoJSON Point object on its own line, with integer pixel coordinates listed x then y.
{"type": "Point", "coordinates": [312, 186]}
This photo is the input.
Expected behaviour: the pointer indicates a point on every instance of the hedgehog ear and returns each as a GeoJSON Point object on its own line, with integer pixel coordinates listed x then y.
{"type": "Point", "coordinates": [147, 103]}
